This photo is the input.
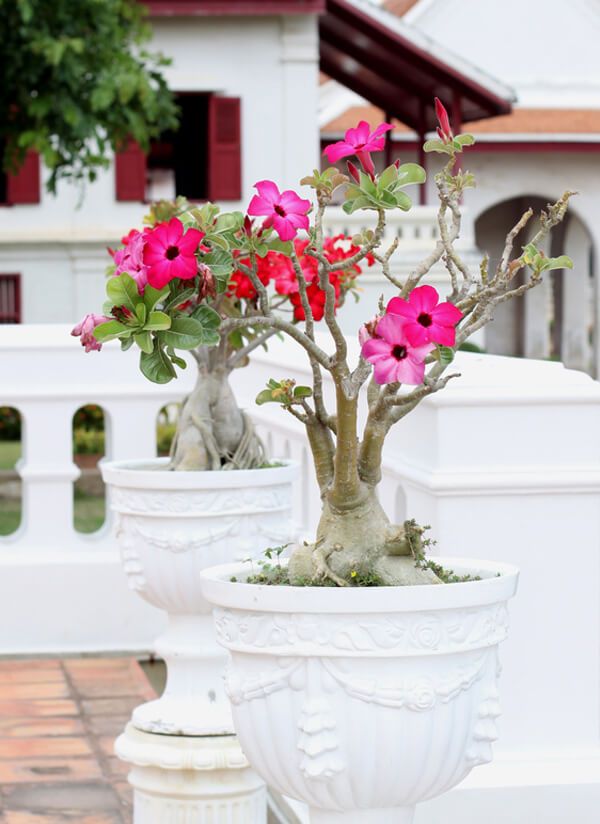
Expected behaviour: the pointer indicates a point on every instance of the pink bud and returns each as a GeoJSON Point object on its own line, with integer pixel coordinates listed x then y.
{"type": "Point", "coordinates": [445, 132]}
{"type": "Point", "coordinates": [247, 225]}
{"type": "Point", "coordinates": [397, 163]}
{"type": "Point", "coordinates": [366, 162]}
{"type": "Point", "coordinates": [353, 171]}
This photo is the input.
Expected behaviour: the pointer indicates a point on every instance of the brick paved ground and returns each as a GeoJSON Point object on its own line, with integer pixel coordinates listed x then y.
{"type": "Point", "coordinates": [58, 721]}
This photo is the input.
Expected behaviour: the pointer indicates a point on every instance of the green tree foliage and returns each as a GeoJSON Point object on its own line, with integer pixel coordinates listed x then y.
{"type": "Point", "coordinates": [77, 83]}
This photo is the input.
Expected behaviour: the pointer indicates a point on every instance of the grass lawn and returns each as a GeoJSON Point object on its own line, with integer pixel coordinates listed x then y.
{"type": "Point", "coordinates": [10, 452]}
{"type": "Point", "coordinates": [89, 514]}
{"type": "Point", "coordinates": [10, 515]}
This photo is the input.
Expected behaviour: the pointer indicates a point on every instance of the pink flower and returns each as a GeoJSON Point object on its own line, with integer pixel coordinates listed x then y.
{"type": "Point", "coordinates": [426, 320]}
{"type": "Point", "coordinates": [85, 331]}
{"type": "Point", "coordinates": [359, 141]}
{"type": "Point", "coordinates": [170, 253]}
{"type": "Point", "coordinates": [130, 258]}
{"type": "Point", "coordinates": [284, 211]}
{"type": "Point", "coordinates": [395, 359]}
{"type": "Point", "coordinates": [444, 131]}
{"type": "Point", "coordinates": [368, 330]}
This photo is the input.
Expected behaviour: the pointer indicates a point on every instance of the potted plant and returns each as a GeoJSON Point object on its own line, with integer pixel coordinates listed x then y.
{"type": "Point", "coordinates": [363, 676]}
{"type": "Point", "coordinates": [218, 497]}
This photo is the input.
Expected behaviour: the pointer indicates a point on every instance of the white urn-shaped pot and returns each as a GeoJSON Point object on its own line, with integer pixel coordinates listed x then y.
{"type": "Point", "coordinates": [170, 526]}
{"type": "Point", "coordinates": [363, 702]}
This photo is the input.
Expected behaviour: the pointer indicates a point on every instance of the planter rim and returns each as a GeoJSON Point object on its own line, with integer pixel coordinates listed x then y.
{"type": "Point", "coordinates": [144, 474]}
{"type": "Point", "coordinates": [499, 583]}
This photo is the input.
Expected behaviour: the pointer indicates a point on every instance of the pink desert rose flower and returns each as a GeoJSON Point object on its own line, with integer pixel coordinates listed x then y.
{"type": "Point", "coordinates": [395, 359]}
{"type": "Point", "coordinates": [85, 331]}
{"type": "Point", "coordinates": [170, 253]}
{"type": "Point", "coordinates": [284, 211]}
{"type": "Point", "coordinates": [359, 141]}
{"type": "Point", "coordinates": [130, 258]}
{"type": "Point", "coordinates": [426, 320]}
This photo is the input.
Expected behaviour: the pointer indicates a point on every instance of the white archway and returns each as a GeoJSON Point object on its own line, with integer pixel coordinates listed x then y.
{"type": "Point", "coordinates": [558, 319]}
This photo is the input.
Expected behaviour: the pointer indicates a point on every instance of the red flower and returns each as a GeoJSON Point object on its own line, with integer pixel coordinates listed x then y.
{"type": "Point", "coordinates": [240, 284]}
{"type": "Point", "coordinates": [316, 299]}
{"type": "Point", "coordinates": [170, 253]}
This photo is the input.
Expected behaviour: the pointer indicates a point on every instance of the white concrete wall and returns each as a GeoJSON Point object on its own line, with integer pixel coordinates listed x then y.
{"type": "Point", "coordinates": [59, 246]}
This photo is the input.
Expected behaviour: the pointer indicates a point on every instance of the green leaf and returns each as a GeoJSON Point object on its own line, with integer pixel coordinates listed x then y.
{"type": "Point", "coordinates": [464, 139]}
{"type": "Point", "coordinates": [410, 173]}
{"type": "Point", "coordinates": [157, 321]}
{"type": "Point", "coordinates": [188, 333]}
{"type": "Point", "coordinates": [179, 297]}
{"type": "Point", "coordinates": [157, 366]}
{"type": "Point", "coordinates": [110, 330]}
{"type": "Point", "coordinates": [403, 201]}
{"type": "Point", "coordinates": [446, 354]}
{"type": "Point", "coordinates": [208, 317]}
{"type": "Point", "coordinates": [140, 311]}
{"type": "Point", "coordinates": [284, 247]}
{"type": "Point", "coordinates": [302, 392]}
{"type": "Point", "coordinates": [387, 177]}
{"type": "Point", "coordinates": [562, 262]}
{"type": "Point", "coordinates": [126, 343]}
{"type": "Point", "coordinates": [123, 291]}
{"type": "Point", "coordinates": [144, 341]}
{"type": "Point", "coordinates": [265, 397]}
{"type": "Point", "coordinates": [180, 362]}
{"type": "Point", "coordinates": [436, 146]}
{"type": "Point", "coordinates": [153, 296]}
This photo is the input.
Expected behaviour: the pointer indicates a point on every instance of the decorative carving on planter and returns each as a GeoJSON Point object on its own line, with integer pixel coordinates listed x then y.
{"type": "Point", "coordinates": [346, 635]}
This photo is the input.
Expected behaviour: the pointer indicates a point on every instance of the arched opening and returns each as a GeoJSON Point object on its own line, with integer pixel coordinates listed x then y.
{"type": "Point", "coordinates": [556, 319]}
{"type": "Point", "coordinates": [166, 423]}
{"type": "Point", "coordinates": [89, 495]}
{"type": "Point", "coordinates": [10, 482]}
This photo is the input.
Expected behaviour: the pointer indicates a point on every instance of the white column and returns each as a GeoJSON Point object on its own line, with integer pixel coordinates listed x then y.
{"type": "Point", "coordinates": [89, 262]}
{"type": "Point", "coordinates": [48, 472]}
{"type": "Point", "coordinates": [505, 464]}
{"type": "Point", "coordinates": [576, 346]}
{"type": "Point", "coordinates": [299, 104]}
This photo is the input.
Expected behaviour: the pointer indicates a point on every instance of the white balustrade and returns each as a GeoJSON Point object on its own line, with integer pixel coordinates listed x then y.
{"type": "Point", "coordinates": [504, 465]}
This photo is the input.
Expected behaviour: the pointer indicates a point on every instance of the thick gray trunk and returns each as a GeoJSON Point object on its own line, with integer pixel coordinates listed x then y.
{"type": "Point", "coordinates": [212, 431]}
{"type": "Point", "coordinates": [360, 543]}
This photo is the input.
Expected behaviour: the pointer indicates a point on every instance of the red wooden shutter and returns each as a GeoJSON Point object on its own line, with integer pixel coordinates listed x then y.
{"type": "Point", "coordinates": [130, 173]}
{"type": "Point", "coordinates": [224, 148]}
{"type": "Point", "coordinates": [24, 186]}
{"type": "Point", "coordinates": [10, 299]}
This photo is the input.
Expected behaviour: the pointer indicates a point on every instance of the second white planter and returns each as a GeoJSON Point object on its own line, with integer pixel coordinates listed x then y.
{"type": "Point", "coordinates": [364, 701]}
{"type": "Point", "coordinates": [171, 526]}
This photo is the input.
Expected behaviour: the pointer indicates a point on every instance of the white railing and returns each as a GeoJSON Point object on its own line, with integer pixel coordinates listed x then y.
{"type": "Point", "coordinates": [504, 464]}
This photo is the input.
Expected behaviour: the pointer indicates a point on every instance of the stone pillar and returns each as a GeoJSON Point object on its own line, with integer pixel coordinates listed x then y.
{"type": "Point", "coordinates": [576, 347]}
{"type": "Point", "coordinates": [537, 315]}
{"type": "Point", "coordinates": [505, 465]}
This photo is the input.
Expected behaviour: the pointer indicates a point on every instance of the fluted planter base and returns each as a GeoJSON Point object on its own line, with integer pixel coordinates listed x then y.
{"type": "Point", "coordinates": [363, 702]}
{"type": "Point", "coordinates": [186, 780]}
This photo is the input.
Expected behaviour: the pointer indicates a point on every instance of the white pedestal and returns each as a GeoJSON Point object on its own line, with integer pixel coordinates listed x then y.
{"type": "Point", "coordinates": [191, 779]}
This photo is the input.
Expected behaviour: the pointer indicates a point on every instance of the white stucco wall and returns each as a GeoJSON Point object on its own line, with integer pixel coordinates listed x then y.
{"type": "Point", "coordinates": [59, 246]}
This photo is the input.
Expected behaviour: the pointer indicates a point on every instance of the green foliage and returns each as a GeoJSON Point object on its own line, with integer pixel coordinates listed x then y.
{"type": "Point", "coordinates": [538, 261]}
{"type": "Point", "coordinates": [10, 424]}
{"type": "Point", "coordinates": [326, 182]}
{"type": "Point", "coordinates": [284, 392]}
{"type": "Point", "coordinates": [77, 83]}
{"type": "Point", "coordinates": [456, 145]}
{"type": "Point", "coordinates": [88, 441]}
{"type": "Point", "coordinates": [165, 432]}
{"type": "Point", "coordinates": [385, 191]}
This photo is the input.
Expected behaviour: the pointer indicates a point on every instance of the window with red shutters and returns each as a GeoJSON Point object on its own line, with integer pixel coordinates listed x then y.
{"type": "Point", "coordinates": [10, 298]}
{"type": "Point", "coordinates": [130, 173]}
{"type": "Point", "coordinates": [224, 149]}
{"type": "Point", "coordinates": [24, 186]}
{"type": "Point", "coordinates": [201, 160]}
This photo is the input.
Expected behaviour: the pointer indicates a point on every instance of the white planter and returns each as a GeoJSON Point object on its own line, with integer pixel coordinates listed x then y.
{"type": "Point", "coordinates": [363, 702]}
{"type": "Point", "coordinates": [170, 526]}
